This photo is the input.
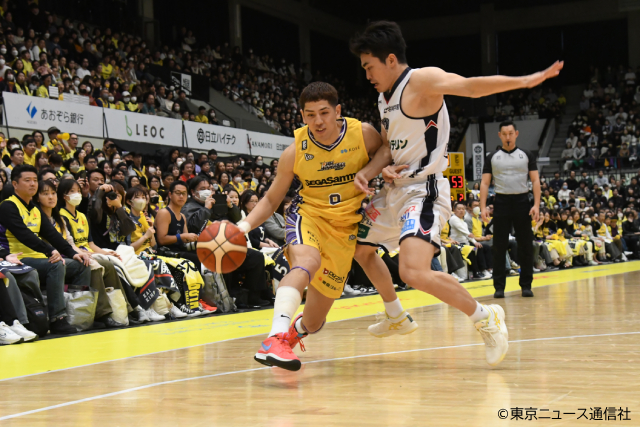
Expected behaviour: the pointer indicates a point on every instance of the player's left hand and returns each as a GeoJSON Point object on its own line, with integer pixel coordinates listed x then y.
{"type": "Point", "coordinates": [551, 72]}
{"type": "Point", "coordinates": [392, 172]}
{"type": "Point", "coordinates": [535, 213]}
{"type": "Point", "coordinates": [362, 184]}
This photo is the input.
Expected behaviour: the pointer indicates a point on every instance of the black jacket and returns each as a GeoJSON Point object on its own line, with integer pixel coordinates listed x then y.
{"type": "Point", "coordinates": [197, 215]}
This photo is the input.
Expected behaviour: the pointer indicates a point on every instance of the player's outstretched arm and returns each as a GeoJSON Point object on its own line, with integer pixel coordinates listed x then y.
{"type": "Point", "coordinates": [435, 81]}
{"type": "Point", "coordinates": [378, 148]}
{"type": "Point", "coordinates": [273, 197]}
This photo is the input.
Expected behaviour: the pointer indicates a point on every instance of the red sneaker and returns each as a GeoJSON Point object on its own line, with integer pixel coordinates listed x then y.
{"type": "Point", "coordinates": [207, 307]}
{"type": "Point", "coordinates": [276, 351]}
{"type": "Point", "coordinates": [294, 337]}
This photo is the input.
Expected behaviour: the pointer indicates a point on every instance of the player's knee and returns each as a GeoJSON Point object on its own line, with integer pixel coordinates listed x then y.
{"type": "Point", "coordinates": [412, 276]}
{"type": "Point", "coordinates": [364, 253]}
{"type": "Point", "coordinates": [310, 263]}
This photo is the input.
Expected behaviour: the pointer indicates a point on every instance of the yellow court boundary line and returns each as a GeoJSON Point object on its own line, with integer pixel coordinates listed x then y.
{"type": "Point", "coordinates": [81, 350]}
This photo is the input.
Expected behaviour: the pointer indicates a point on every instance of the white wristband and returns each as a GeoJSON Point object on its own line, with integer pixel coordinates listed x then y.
{"type": "Point", "coordinates": [244, 226]}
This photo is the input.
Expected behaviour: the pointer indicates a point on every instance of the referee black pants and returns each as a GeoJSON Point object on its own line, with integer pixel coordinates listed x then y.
{"type": "Point", "coordinates": [503, 221]}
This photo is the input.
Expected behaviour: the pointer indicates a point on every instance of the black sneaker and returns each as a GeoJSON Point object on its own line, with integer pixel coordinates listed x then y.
{"type": "Point", "coordinates": [61, 326]}
{"type": "Point", "coordinates": [527, 293]}
{"type": "Point", "coordinates": [109, 323]}
{"type": "Point", "coordinates": [256, 301]}
{"type": "Point", "coordinates": [498, 294]}
{"type": "Point", "coordinates": [134, 318]}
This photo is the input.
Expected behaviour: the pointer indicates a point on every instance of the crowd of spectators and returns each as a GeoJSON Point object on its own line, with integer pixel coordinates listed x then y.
{"type": "Point", "coordinates": [529, 104]}
{"type": "Point", "coordinates": [606, 131]}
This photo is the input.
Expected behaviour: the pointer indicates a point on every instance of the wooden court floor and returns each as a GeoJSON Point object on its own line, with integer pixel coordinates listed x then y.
{"type": "Point", "coordinates": [574, 347]}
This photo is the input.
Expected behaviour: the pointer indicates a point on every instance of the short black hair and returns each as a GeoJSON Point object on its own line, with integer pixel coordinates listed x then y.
{"type": "Point", "coordinates": [507, 123]}
{"type": "Point", "coordinates": [14, 150]}
{"type": "Point", "coordinates": [319, 91]}
{"type": "Point", "coordinates": [100, 171]}
{"type": "Point", "coordinates": [213, 151]}
{"type": "Point", "coordinates": [20, 169]}
{"type": "Point", "coordinates": [193, 183]}
{"type": "Point", "coordinates": [177, 182]}
{"type": "Point", "coordinates": [380, 39]}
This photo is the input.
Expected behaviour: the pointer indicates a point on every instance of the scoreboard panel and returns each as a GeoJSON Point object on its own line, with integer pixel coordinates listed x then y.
{"type": "Point", "coordinates": [455, 174]}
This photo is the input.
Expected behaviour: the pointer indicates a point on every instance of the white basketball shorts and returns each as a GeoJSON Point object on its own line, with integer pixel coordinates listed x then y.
{"type": "Point", "coordinates": [406, 209]}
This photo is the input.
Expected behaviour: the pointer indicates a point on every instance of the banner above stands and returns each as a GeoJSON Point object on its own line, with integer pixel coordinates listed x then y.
{"type": "Point", "coordinates": [29, 112]}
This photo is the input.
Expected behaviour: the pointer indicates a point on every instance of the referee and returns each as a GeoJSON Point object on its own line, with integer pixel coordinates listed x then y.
{"type": "Point", "coordinates": [510, 167]}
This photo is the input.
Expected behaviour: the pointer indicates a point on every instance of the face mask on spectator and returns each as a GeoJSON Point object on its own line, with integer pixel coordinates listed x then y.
{"type": "Point", "coordinates": [105, 96]}
{"type": "Point", "coordinates": [176, 108]}
{"type": "Point", "coordinates": [56, 168]}
{"type": "Point", "coordinates": [134, 99]}
{"type": "Point", "coordinates": [620, 215]}
{"type": "Point", "coordinates": [179, 162]}
{"type": "Point", "coordinates": [555, 206]}
{"type": "Point", "coordinates": [14, 52]}
{"type": "Point", "coordinates": [127, 99]}
{"type": "Point", "coordinates": [10, 77]}
{"type": "Point", "coordinates": [587, 220]}
{"type": "Point", "coordinates": [46, 35]}
{"type": "Point", "coordinates": [1, 62]}
{"type": "Point", "coordinates": [154, 200]}
{"type": "Point", "coordinates": [569, 221]}
{"type": "Point", "coordinates": [476, 210]}
{"type": "Point", "coordinates": [74, 168]}
{"type": "Point", "coordinates": [76, 82]}
{"type": "Point", "coordinates": [99, 159]}
{"type": "Point", "coordinates": [3, 51]}
{"type": "Point", "coordinates": [75, 199]}
{"type": "Point", "coordinates": [267, 174]}
{"type": "Point", "coordinates": [152, 170]}
{"type": "Point", "coordinates": [237, 179]}
{"type": "Point", "coordinates": [215, 187]}
{"type": "Point", "coordinates": [564, 187]}
{"type": "Point", "coordinates": [259, 163]}
{"type": "Point", "coordinates": [242, 163]}
{"type": "Point", "coordinates": [111, 99]}
{"type": "Point", "coordinates": [33, 86]}
{"type": "Point", "coordinates": [139, 204]}
{"type": "Point", "coordinates": [204, 194]}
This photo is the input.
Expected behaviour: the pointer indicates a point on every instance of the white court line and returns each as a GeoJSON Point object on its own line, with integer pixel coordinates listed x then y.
{"type": "Point", "coordinates": [116, 393]}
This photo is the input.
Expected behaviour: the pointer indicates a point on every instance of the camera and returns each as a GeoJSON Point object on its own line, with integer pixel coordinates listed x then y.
{"type": "Point", "coordinates": [112, 195]}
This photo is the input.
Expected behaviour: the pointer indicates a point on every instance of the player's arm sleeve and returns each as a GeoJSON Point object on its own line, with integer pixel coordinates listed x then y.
{"type": "Point", "coordinates": [487, 164]}
{"type": "Point", "coordinates": [533, 164]}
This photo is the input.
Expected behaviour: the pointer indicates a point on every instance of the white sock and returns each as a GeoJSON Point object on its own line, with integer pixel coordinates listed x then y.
{"type": "Point", "coordinates": [299, 327]}
{"type": "Point", "coordinates": [393, 308]}
{"type": "Point", "coordinates": [288, 300]}
{"type": "Point", "coordinates": [481, 313]}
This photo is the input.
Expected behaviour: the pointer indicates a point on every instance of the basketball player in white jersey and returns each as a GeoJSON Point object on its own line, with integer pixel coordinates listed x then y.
{"type": "Point", "coordinates": [410, 211]}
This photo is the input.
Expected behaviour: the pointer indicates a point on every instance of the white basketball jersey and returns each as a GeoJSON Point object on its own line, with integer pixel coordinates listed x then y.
{"type": "Point", "coordinates": [420, 142]}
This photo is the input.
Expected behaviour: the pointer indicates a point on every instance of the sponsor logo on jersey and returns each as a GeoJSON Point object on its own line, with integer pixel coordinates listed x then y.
{"type": "Point", "coordinates": [308, 157]}
{"type": "Point", "coordinates": [363, 231]}
{"type": "Point", "coordinates": [304, 144]}
{"type": "Point", "coordinates": [408, 225]}
{"type": "Point", "coordinates": [329, 181]}
{"type": "Point", "coordinates": [325, 166]}
{"type": "Point", "coordinates": [333, 276]}
{"type": "Point", "coordinates": [431, 124]}
{"type": "Point", "coordinates": [372, 212]}
{"type": "Point", "coordinates": [350, 150]}
{"type": "Point", "coordinates": [392, 108]}
{"type": "Point", "coordinates": [385, 123]}
{"type": "Point", "coordinates": [398, 144]}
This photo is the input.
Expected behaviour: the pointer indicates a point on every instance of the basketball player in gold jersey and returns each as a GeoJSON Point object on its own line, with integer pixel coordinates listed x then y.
{"type": "Point", "coordinates": [322, 222]}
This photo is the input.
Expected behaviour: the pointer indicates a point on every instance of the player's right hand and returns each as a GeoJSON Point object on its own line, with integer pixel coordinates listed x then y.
{"type": "Point", "coordinates": [362, 184]}
{"type": "Point", "coordinates": [392, 172]}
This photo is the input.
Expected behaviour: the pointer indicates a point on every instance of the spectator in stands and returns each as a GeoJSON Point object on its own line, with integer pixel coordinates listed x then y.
{"type": "Point", "coordinates": [579, 154]}
{"type": "Point", "coordinates": [202, 117]}
{"type": "Point", "coordinates": [567, 157]}
{"type": "Point", "coordinates": [24, 230]}
{"type": "Point", "coordinates": [149, 106]}
{"type": "Point", "coordinates": [460, 233]}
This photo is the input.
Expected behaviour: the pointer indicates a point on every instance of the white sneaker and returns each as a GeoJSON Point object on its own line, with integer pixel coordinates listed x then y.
{"type": "Point", "coordinates": [153, 316]}
{"type": "Point", "coordinates": [535, 270]}
{"type": "Point", "coordinates": [592, 262]}
{"type": "Point", "coordinates": [387, 326]}
{"type": "Point", "coordinates": [458, 278]}
{"type": "Point", "coordinates": [349, 291]}
{"type": "Point", "coordinates": [143, 317]}
{"type": "Point", "coordinates": [7, 336]}
{"type": "Point", "coordinates": [495, 334]}
{"type": "Point", "coordinates": [20, 330]}
{"type": "Point", "coordinates": [190, 312]}
{"type": "Point", "coordinates": [175, 312]}
{"type": "Point", "coordinates": [624, 258]}
{"type": "Point", "coordinates": [513, 273]}
{"type": "Point", "coordinates": [514, 265]}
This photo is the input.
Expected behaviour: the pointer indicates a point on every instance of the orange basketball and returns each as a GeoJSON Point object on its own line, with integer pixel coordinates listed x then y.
{"type": "Point", "coordinates": [222, 247]}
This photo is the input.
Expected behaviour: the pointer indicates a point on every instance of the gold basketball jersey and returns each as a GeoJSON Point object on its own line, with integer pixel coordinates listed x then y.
{"type": "Point", "coordinates": [324, 175]}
